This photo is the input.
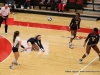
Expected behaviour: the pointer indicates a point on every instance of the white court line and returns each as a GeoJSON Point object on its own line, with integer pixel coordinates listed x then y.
{"type": "Point", "coordinates": [86, 66]}
{"type": "Point", "coordinates": [11, 51]}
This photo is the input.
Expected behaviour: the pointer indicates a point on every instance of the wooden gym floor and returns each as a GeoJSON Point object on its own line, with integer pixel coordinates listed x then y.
{"type": "Point", "coordinates": [61, 60]}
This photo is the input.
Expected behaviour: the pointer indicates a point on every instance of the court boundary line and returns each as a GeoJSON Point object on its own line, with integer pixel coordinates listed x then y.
{"type": "Point", "coordinates": [87, 65]}
{"type": "Point", "coordinates": [11, 51]}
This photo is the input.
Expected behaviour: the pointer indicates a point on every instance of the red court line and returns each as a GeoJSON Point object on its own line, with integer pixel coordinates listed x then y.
{"type": "Point", "coordinates": [50, 26]}
{"type": "Point", "coordinates": [5, 48]}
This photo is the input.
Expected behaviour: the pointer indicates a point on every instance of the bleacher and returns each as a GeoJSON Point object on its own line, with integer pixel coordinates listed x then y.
{"type": "Point", "coordinates": [86, 10]}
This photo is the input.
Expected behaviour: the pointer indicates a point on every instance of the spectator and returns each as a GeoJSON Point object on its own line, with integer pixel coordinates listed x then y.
{"type": "Point", "coordinates": [27, 2]}
{"type": "Point", "coordinates": [54, 4]}
{"type": "Point", "coordinates": [62, 5]}
{"type": "Point", "coordinates": [41, 3]}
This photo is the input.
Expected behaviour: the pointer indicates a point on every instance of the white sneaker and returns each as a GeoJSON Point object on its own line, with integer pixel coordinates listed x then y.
{"type": "Point", "coordinates": [16, 64]}
{"type": "Point", "coordinates": [80, 61]}
{"type": "Point", "coordinates": [70, 45]}
{"type": "Point", "coordinates": [11, 67]}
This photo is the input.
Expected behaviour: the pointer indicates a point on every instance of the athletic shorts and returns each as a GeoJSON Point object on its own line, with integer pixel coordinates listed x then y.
{"type": "Point", "coordinates": [73, 28]}
{"type": "Point", "coordinates": [14, 49]}
{"type": "Point", "coordinates": [93, 46]}
{"type": "Point", "coordinates": [30, 42]}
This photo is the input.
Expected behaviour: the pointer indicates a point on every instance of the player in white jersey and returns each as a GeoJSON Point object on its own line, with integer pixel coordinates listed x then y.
{"type": "Point", "coordinates": [16, 44]}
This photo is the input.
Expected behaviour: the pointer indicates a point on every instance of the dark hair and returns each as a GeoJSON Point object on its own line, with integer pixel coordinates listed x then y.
{"type": "Point", "coordinates": [78, 14]}
{"type": "Point", "coordinates": [96, 30]}
{"type": "Point", "coordinates": [16, 33]}
{"type": "Point", "coordinates": [37, 36]}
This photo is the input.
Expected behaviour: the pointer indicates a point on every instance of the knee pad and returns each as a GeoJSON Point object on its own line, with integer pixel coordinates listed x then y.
{"type": "Point", "coordinates": [86, 54]}
{"type": "Point", "coordinates": [14, 61]}
{"type": "Point", "coordinates": [72, 36]}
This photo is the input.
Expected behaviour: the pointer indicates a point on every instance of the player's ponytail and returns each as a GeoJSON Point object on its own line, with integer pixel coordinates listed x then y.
{"type": "Point", "coordinates": [16, 33]}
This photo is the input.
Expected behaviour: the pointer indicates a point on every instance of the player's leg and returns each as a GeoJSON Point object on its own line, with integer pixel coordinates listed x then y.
{"type": "Point", "coordinates": [97, 50]}
{"type": "Point", "coordinates": [35, 47]}
{"type": "Point", "coordinates": [71, 38]}
{"type": "Point", "coordinates": [88, 48]}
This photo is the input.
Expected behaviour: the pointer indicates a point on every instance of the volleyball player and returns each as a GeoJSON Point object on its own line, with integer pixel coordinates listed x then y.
{"type": "Point", "coordinates": [93, 39]}
{"type": "Point", "coordinates": [35, 43]}
{"type": "Point", "coordinates": [74, 25]}
{"type": "Point", "coordinates": [16, 43]}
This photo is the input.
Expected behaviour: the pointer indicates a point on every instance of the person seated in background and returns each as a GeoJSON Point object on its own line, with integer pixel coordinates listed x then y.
{"type": "Point", "coordinates": [10, 4]}
{"type": "Point", "coordinates": [54, 4]}
{"type": "Point", "coordinates": [44, 3]}
{"type": "Point", "coordinates": [62, 5]}
{"type": "Point", "coordinates": [27, 2]}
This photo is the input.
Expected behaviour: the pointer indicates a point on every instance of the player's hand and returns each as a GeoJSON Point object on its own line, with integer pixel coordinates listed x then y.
{"type": "Point", "coordinates": [43, 50]}
{"type": "Point", "coordinates": [84, 45]}
{"type": "Point", "coordinates": [25, 49]}
{"type": "Point", "coordinates": [78, 29]}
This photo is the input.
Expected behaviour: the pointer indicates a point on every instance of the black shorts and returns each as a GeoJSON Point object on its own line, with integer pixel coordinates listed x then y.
{"type": "Point", "coordinates": [73, 28]}
{"type": "Point", "coordinates": [93, 46]}
{"type": "Point", "coordinates": [14, 49]}
{"type": "Point", "coordinates": [30, 42]}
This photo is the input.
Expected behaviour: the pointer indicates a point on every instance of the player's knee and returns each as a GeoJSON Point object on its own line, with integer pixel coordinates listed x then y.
{"type": "Point", "coordinates": [86, 54]}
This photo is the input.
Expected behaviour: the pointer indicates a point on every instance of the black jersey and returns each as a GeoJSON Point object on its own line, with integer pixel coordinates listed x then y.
{"type": "Point", "coordinates": [35, 40]}
{"type": "Point", "coordinates": [75, 23]}
{"type": "Point", "coordinates": [92, 39]}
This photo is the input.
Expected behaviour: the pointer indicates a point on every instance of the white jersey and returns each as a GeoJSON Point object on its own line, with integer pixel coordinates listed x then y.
{"type": "Point", "coordinates": [16, 43]}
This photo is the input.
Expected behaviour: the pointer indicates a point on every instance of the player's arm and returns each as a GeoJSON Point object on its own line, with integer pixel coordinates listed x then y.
{"type": "Point", "coordinates": [86, 40]}
{"type": "Point", "coordinates": [21, 45]}
{"type": "Point", "coordinates": [71, 23]}
{"type": "Point", "coordinates": [97, 39]}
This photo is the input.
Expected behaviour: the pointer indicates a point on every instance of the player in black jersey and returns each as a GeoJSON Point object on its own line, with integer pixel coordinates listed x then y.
{"type": "Point", "coordinates": [74, 25]}
{"type": "Point", "coordinates": [35, 43]}
{"type": "Point", "coordinates": [93, 39]}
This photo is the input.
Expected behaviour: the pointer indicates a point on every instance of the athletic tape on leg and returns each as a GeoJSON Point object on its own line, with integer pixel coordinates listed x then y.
{"type": "Point", "coordinates": [72, 36]}
{"type": "Point", "coordinates": [86, 54]}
